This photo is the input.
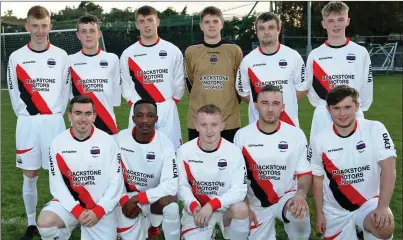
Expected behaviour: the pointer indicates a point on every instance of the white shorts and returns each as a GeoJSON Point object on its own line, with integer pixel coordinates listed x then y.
{"type": "Point", "coordinates": [192, 232]}
{"type": "Point", "coordinates": [34, 134]}
{"type": "Point", "coordinates": [104, 229]}
{"type": "Point", "coordinates": [322, 119]}
{"type": "Point", "coordinates": [342, 224]}
{"type": "Point", "coordinates": [168, 121]}
{"type": "Point", "coordinates": [266, 218]}
{"type": "Point", "coordinates": [136, 228]}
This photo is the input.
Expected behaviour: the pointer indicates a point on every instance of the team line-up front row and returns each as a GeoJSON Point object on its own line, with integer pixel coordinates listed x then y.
{"type": "Point", "coordinates": [147, 169]}
{"type": "Point", "coordinates": [121, 187]}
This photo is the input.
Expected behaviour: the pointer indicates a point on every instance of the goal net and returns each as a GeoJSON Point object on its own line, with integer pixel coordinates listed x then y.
{"type": "Point", "coordinates": [65, 39]}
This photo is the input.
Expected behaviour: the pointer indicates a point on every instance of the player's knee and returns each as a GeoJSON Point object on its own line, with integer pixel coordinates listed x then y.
{"type": "Point", "coordinates": [48, 219]}
{"type": "Point", "coordinates": [297, 228]}
{"type": "Point", "coordinates": [290, 218]}
{"type": "Point", "coordinates": [239, 210]}
{"type": "Point", "coordinates": [48, 232]}
{"type": "Point", "coordinates": [157, 207]}
{"type": "Point", "coordinates": [383, 234]}
{"type": "Point", "coordinates": [31, 173]}
{"type": "Point", "coordinates": [165, 201]}
{"type": "Point", "coordinates": [171, 211]}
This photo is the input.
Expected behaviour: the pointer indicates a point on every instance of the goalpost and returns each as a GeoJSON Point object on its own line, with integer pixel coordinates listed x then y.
{"type": "Point", "coordinates": [65, 39]}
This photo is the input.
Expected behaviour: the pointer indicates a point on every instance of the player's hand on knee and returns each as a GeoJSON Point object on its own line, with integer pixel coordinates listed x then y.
{"type": "Point", "coordinates": [131, 209]}
{"type": "Point", "coordinates": [252, 218]}
{"type": "Point", "coordinates": [298, 206]}
{"type": "Point", "coordinates": [82, 218]}
{"type": "Point", "coordinates": [90, 219]}
{"type": "Point", "coordinates": [203, 216]}
{"type": "Point", "coordinates": [320, 223]}
{"type": "Point", "coordinates": [382, 218]}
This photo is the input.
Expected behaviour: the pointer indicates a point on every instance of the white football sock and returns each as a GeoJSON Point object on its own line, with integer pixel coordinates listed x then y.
{"type": "Point", "coordinates": [30, 196]}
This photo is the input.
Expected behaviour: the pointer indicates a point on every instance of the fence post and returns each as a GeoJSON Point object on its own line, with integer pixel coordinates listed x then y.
{"type": "Point", "coordinates": [309, 44]}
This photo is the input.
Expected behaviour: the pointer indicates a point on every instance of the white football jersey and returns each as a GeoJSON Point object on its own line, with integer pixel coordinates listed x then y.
{"type": "Point", "coordinates": [152, 72]}
{"type": "Point", "coordinates": [274, 161]}
{"type": "Point", "coordinates": [351, 163]}
{"type": "Point", "coordinates": [284, 68]}
{"type": "Point", "coordinates": [217, 177]}
{"type": "Point", "coordinates": [328, 66]}
{"type": "Point", "coordinates": [98, 77]}
{"type": "Point", "coordinates": [38, 81]}
{"type": "Point", "coordinates": [149, 168]}
{"type": "Point", "coordinates": [85, 174]}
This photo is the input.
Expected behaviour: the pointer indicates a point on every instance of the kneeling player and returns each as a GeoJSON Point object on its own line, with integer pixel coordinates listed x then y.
{"type": "Point", "coordinates": [353, 163]}
{"type": "Point", "coordinates": [84, 177]}
{"type": "Point", "coordinates": [151, 177]}
{"type": "Point", "coordinates": [212, 181]}
{"type": "Point", "coordinates": [275, 154]}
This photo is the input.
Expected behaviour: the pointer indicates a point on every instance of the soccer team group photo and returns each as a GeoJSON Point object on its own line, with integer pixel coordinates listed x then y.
{"type": "Point", "coordinates": [201, 143]}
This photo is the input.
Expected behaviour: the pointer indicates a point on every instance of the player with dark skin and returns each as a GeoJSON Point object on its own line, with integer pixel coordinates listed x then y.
{"type": "Point", "coordinates": [145, 117]}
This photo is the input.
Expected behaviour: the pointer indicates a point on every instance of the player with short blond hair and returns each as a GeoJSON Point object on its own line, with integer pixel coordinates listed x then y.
{"type": "Point", "coordinates": [39, 87]}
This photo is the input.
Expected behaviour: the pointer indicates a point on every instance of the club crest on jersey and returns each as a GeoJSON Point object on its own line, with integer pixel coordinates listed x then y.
{"type": "Point", "coordinates": [350, 57]}
{"type": "Point", "coordinates": [213, 59]}
{"type": "Point", "coordinates": [103, 63]}
{"type": "Point", "coordinates": [51, 62]}
{"type": "Point", "coordinates": [360, 146]}
{"type": "Point", "coordinates": [282, 63]}
{"type": "Point", "coordinates": [222, 164]}
{"type": "Point", "coordinates": [283, 146]}
{"type": "Point", "coordinates": [163, 54]}
{"type": "Point", "coordinates": [150, 156]}
{"type": "Point", "coordinates": [95, 151]}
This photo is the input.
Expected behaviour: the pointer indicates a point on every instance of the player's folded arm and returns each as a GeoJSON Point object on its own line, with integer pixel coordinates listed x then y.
{"type": "Point", "coordinates": [238, 188]}
{"type": "Point", "coordinates": [115, 189]}
{"type": "Point", "coordinates": [168, 185]}
{"type": "Point", "coordinates": [185, 193]}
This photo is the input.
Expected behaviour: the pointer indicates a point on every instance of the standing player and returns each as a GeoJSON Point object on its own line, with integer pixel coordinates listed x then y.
{"type": "Point", "coordinates": [212, 181]}
{"type": "Point", "coordinates": [338, 61]}
{"type": "Point", "coordinates": [85, 179]}
{"type": "Point", "coordinates": [211, 68]}
{"type": "Point", "coordinates": [152, 68]}
{"type": "Point", "coordinates": [353, 163]}
{"type": "Point", "coordinates": [39, 88]}
{"type": "Point", "coordinates": [275, 64]}
{"type": "Point", "coordinates": [150, 176]}
{"type": "Point", "coordinates": [96, 74]}
{"type": "Point", "coordinates": [275, 155]}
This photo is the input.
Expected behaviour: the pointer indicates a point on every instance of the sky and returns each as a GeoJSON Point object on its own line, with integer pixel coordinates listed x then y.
{"type": "Point", "coordinates": [20, 9]}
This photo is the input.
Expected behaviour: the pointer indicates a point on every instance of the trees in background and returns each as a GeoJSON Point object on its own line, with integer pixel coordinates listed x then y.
{"type": "Point", "coordinates": [368, 18]}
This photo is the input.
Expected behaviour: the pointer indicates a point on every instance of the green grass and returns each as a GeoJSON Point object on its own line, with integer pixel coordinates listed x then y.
{"type": "Point", "coordinates": [387, 108]}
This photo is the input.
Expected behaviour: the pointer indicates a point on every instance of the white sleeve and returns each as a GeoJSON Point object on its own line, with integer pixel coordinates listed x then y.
{"type": "Point", "coordinates": [312, 97]}
{"type": "Point", "coordinates": [384, 143]}
{"type": "Point", "coordinates": [178, 77]}
{"type": "Point", "coordinates": [237, 139]}
{"type": "Point", "coordinates": [168, 184]}
{"type": "Point", "coordinates": [185, 193]}
{"type": "Point", "coordinates": [303, 167]}
{"type": "Point", "coordinates": [58, 187]}
{"type": "Point", "coordinates": [300, 82]}
{"type": "Point", "coordinates": [238, 188]}
{"type": "Point", "coordinates": [242, 85]}
{"type": "Point", "coordinates": [12, 84]}
{"type": "Point", "coordinates": [115, 189]}
{"type": "Point", "coordinates": [128, 91]}
{"type": "Point", "coordinates": [315, 159]}
{"type": "Point", "coordinates": [117, 84]}
{"type": "Point", "coordinates": [67, 92]}
{"type": "Point", "coordinates": [367, 91]}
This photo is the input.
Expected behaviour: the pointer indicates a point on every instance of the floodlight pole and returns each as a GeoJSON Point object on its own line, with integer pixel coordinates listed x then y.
{"type": "Point", "coordinates": [309, 18]}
